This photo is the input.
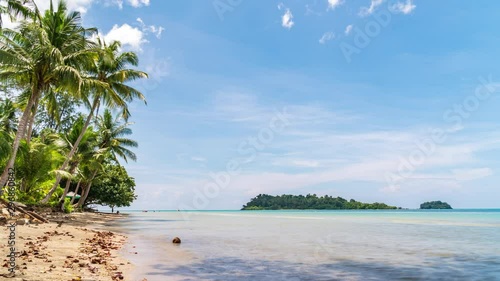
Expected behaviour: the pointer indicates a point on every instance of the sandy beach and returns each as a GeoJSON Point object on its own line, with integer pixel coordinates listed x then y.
{"type": "Point", "coordinates": [70, 248]}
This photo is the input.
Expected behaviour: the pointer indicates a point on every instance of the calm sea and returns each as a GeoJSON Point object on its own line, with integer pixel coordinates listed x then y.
{"type": "Point", "coordinates": [315, 245]}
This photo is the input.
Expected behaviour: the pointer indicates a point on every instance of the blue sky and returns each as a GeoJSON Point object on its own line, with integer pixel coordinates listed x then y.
{"type": "Point", "coordinates": [392, 101]}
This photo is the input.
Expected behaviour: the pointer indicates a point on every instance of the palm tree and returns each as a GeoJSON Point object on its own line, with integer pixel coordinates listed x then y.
{"type": "Point", "coordinates": [85, 149]}
{"type": "Point", "coordinates": [112, 144]}
{"type": "Point", "coordinates": [43, 58]}
{"type": "Point", "coordinates": [106, 83]}
{"type": "Point", "coordinates": [112, 137]}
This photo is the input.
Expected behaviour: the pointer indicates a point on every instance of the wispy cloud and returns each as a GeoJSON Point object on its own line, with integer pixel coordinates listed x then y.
{"type": "Point", "coordinates": [404, 8]}
{"type": "Point", "coordinates": [156, 30]}
{"type": "Point", "coordinates": [348, 29]}
{"type": "Point", "coordinates": [366, 11]}
{"type": "Point", "coordinates": [83, 6]}
{"type": "Point", "coordinates": [133, 3]}
{"type": "Point", "coordinates": [138, 3]}
{"type": "Point", "coordinates": [332, 4]}
{"type": "Point", "coordinates": [327, 36]}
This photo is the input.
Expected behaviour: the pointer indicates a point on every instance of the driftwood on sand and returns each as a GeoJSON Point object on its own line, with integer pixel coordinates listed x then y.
{"type": "Point", "coordinates": [20, 209]}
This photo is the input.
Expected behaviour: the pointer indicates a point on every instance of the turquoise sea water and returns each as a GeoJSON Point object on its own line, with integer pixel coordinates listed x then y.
{"type": "Point", "coordinates": [315, 245]}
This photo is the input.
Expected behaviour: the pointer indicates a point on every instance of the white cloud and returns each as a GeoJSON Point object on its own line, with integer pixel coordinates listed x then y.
{"type": "Point", "coordinates": [332, 4]}
{"type": "Point", "coordinates": [286, 19]}
{"type": "Point", "coordinates": [127, 35]}
{"type": "Point", "coordinates": [327, 36]}
{"type": "Point", "coordinates": [312, 153]}
{"type": "Point", "coordinates": [138, 3]}
{"type": "Point", "coordinates": [133, 3]}
{"type": "Point", "coordinates": [156, 30]}
{"type": "Point", "coordinates": [81, 6]}
{"type": "Point", "coordinates": [373, 6]}
{"type": "Point", "coordinates": [348, 29]}
{"type": "Point", "coordinates": [118, 3]}
{"type": "Point", "coordinates": [404, 8]}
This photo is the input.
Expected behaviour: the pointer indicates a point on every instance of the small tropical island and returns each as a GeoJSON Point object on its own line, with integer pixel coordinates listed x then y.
{"type": "Point", "coordinates": [435, 205]}
{"type": "Point", "coordinates": [309, 202]}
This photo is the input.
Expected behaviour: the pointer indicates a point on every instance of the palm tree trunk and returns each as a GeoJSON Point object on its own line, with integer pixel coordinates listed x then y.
{"type": "Point", "coordinates": [76, 192]}
{"type": "Point", "coordinates": [72, 151]}
{"type": "Point", "coordinates": [63, 197]}
{"type": "Point", "coordinates": [68, 183]}
{"type": "Point", "coordinates": [87, 190]}
{"type": "Point", "coordinates": [29, 132]}
{"type": "Point", "coordinates": [21, 129]}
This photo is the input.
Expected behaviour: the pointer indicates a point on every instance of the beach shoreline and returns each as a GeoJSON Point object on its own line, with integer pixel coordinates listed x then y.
{"type": "Point", "coordinates": [74, 246]}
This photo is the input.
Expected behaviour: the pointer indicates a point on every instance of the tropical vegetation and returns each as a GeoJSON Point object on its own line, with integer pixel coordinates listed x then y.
{"type": "Point", "coordinates": [310, 201]}
{"type": "Point", "coordinates": [64, 109]}
{"type": "Point", "coordinates": [435, 205]}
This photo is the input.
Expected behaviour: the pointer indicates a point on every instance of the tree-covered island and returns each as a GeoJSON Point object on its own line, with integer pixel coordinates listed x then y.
{"type": "Point", "coordinates": [301, 202]}
{"type": "Point", "coordinates": [435, 205]}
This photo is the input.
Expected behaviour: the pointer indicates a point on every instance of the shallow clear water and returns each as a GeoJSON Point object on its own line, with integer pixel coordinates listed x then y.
{"type": "Point", "coordinates": [316, 245]}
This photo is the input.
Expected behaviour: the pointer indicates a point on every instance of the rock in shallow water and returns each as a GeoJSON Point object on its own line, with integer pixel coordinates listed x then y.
{"type": "Point", "coordinates": [176, 240]}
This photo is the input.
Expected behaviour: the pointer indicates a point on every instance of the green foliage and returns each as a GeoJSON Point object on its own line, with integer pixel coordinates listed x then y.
{"type": "Point", "coordinates": [51, 67]}
{"type": "Point", "coordinates": [7, 129]}
{"type": "Point", "coordinates": [36, 163]}
{"type": "Point", "coordinates": [112, 137]}
{"type": "Point", "coordinates": [435, 205]}
{"type": "Point", "coordinates": [114, 188]}
{"type": "Point", "coordinates": [254, 208]}
{"type": "Point", "coordinates": [57, 113]}
{"type": "Point", "coordinates": [67, 207]}
{"type": "Point", "coordinates": [269, 202]}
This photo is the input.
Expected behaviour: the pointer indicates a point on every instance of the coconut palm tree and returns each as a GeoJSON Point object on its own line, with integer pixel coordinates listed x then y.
{"type": "Point", "coordinates": [113, 144]}
{"type": "Point", "coordinates": [112, 137]}
{"type": "Point", "coordinates": [41, 58]}
{"type": "Point", "coordinates": [106, 83]}
{"type": "Point", "coordinates": [85, 149]}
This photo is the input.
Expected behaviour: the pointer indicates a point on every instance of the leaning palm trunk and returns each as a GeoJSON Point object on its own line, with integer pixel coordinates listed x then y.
{"type": "Point", "coordinates": [21, 129]}
{"type": "Point", "coordinates": [76, 192]}
{"type": "Point", "coordinates": [72, 151]}
{"type": "Point", "coordinates": [87, 190]}
{"type": "Point", "coordinates": [68, 183]}
{"type": "Point", "coordinates": [62, 199]}
{"type": "Point", "coordinates": [31, 121]}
